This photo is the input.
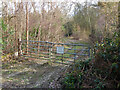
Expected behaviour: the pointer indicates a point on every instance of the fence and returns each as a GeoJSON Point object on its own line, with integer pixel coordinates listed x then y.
{"type": "Point", "coordinates": [63, 53]}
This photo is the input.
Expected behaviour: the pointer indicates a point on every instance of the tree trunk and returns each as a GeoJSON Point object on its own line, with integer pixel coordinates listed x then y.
{"type": "Point", "coordinates": [15, 29]}
{"type": "Point", "coordinates": [119, 28]}
{"type": "Point", "coordinates": [49, 28]}
{"type": "Point", "coordinates": [119, 18]}
{"type": "Point", "coordinates": [27, 32]}
{"type": "Point", "coordinates": [20, 31]}
{"type": "Point", "coordinates": [40, 30]}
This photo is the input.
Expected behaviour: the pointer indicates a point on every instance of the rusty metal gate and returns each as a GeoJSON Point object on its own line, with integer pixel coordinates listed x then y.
{"type": "Point", "coordinates": [63, 53]}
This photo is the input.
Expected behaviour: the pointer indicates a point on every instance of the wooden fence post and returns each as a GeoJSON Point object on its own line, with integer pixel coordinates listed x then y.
{"type": "Point", "coordinates": [62, 55]}
{"type": "Point", "coordinates": [49, 50]}
{"type": "Point", "coordinates": [19, 47]}
{"type": "Point", "coordinates": [89, 51]}
{"type": "Point", "coordinates": [74, 54]}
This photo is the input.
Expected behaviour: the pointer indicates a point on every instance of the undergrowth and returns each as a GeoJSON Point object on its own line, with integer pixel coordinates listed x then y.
{"type": "Point", "coordinates": [100, 71]}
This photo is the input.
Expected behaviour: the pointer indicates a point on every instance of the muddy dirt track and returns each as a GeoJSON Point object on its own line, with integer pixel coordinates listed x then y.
{"type": "Point", "coordinates": [32, 74]}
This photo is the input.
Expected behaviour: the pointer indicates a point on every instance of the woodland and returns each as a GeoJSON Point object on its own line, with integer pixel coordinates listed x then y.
{"type": "Point", "coordinates": [94, 23]}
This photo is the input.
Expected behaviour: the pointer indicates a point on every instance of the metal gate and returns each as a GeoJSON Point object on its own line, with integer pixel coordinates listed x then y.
{"type": "Point", "coordinates": [62, 53]}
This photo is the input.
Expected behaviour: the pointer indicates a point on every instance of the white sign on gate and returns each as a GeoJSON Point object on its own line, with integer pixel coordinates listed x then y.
{"type": "Point", "coordinates": [60, 50]}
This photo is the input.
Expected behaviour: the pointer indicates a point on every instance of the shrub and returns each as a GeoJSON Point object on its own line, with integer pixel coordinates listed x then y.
{"type": "Point", "coordinates": [107, 57]}
{"type": "Point", "coordinates": [74, 78]}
